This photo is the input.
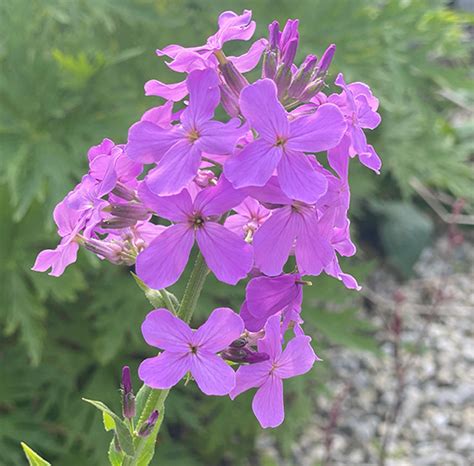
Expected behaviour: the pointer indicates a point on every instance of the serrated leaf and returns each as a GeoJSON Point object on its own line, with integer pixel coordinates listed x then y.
{"type": "Point", "coordinates": [33, 458]}
{"type": "Point", "coordinates": [123, 433]}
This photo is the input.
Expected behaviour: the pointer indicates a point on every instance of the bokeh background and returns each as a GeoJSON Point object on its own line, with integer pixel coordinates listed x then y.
{"type": "Point", "coordinates": [72, 72]}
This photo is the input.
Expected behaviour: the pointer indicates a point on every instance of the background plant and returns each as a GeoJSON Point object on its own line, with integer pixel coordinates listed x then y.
{"type": "Point", "coordinates": [71, 73]}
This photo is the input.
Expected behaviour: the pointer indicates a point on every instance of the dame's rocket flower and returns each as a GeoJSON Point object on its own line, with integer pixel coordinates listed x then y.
{"type": "Point", "coordinates": [187, 350]}
{"type": "Point", "coordinates": [226, 254]}
{"type": "Point", "coordinates": [296, 359]}
{"type": "Point", "coordinates": [250, 216]}
{"type": "Point", "coordinates": [282, 144]}
{"type": "Point", "coordinates": [177, 150]}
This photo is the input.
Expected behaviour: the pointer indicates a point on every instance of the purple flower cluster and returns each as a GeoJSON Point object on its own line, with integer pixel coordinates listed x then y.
{"type": "Point", "coordinates": [250, 192]}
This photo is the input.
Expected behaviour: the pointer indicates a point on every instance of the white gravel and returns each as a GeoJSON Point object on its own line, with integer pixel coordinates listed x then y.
{"type": "Point", "coordinates": [434, 425]}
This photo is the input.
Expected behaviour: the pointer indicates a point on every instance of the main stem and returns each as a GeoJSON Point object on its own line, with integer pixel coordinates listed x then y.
{"type": "Point", "coordinates": [156, 398]}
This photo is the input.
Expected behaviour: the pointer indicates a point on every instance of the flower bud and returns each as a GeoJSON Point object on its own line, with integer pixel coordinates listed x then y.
{"type": "Point", "coordinates": [311, 90]}
{"type": "Point", "coordinates": [269, 65]}
{"type": "Point", "coordinates": [289, 53]}
{"type": "Point", "coordinates": [274, 35]}
{"type": "Point", "coordinates": [117, 223]}
{"type": "Point", "coordinates": [229, 101]}
{"type": "Point", "coordinates": [128, 398]}
{"type": "Point", "coordinates": [302, 77]}
{"type": "Point", "coordinates": [147, 427]}
{"type": "Point", "coordinates": [132, 210]}
{"type": "Point", "coordinates": [243, 355]}
{"type": "Point", "coordinates": [107, 249]}
{"type": "Point", "coordinates": [326, 60]}
{"type": "Point", "coordinates": [290, 33]}
{"type": "Point", "coordinates": [239, 343]}
{"type": "Point", "coordinates": [283, 80]}
{"type": "Point", "coordinates": [233, 78]}
{"type": "Point", "coordinates": [123, 192]}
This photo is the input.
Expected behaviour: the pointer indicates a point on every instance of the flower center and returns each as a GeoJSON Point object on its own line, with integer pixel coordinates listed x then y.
{"type": "Point", "coordinates": [280, 141]}
{"type": "Point", "coordinates": [194, 349]}
{"type": "Point", "coordinates": [193, 135]}
{"type": "Point", "coordinates": [198, 221]}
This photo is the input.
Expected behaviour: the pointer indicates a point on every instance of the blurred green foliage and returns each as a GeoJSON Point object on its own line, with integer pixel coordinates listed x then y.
{"type": "Point", "coordinates": [71, 74]}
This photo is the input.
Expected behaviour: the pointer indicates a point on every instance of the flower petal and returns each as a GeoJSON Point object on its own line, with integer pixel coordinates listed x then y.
{"type": "Point", "coordinates": [249, 60]}
{"type": "Point", "coordinates": [219, 138]}
{"type": "Point", "coordinates": [175, 170]}
{"type": "Point", "coordinates": [165, 331]}
{"type": "Point", "coordinates": [313, 251]}
{"type": "Point", "coordinates": [148, 142]}
{"type": "Point", "coordinates": [212, 374]}
{"type": "Point", "coordinates": [273, 240]}
{"type": "Point", "coordinates": [251, 376]}
{"type": "Point", "coordinates": [163, 261]}
{"type": "Point", "coordinates": [260, 106]}
{"type": "Point", "coordinates": [176, 208]}
{"type": "Point", "coordinates": [297, 358]}
{"type": "Point", "coordinates": [58, 259]}
{"type": "Point", "coordinates": [268, 404]}
{"type": "Point", "coordinates": [165, 370]}
{"type": "Point", "coordinates": [299, 180]}
{"type": "Point", "coordinates": [253, 165]}
{"type": "Point", "coordinates": [221, 328]}
{"type": "Point", "coordinates": [269, 295]}
{"type": "Point", "coordinates": [317, 132]}
{"type": "Point", "coordinates": [174, 91]}
{"type": "Point", "coordinates": [271, 342]}
{"type": "Point", "coordinates": [226, 254]}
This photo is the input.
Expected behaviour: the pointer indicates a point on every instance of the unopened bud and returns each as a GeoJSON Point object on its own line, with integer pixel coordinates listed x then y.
{"type": "Point", "coordinates": [128, 398]}
{"type": "Point", "coordinates": [204, 178]}
{"type": "Point", "coordinates": [274, 35]}
{"type": "Point", "coordinates": [311, 90]}
{"type": "Point", "coordinates": [302, 77]}
{"type": "Point", "coordinates": [326, 60]}
{"type": "Point", "coordinates": [147, 427]}
{"type": "Point", "coordinates": [117, 223]}
{"type": "Point", "coordinates": [106, 249]}
{"type": "Point", "coordinates": [239, 343]}
{"type": "Point", "coordinates": [243, 355]}
{"type": "Point", "coordinates": [289, 53]}
{"type": "Point", "coordinates": [123, 192]}
{"type": "Point", "coordinates": [289, 33]}
{"type": "Point", "coordinates": [283, 80]}
{"type": "Point", "coordinates": [269, 64]}
{"type": "Point", "coordinates": [233, 78]}
{"type": "Point", "coordinates": [229, 101]}
{"type": "Point", "coordinates": [132, 210]}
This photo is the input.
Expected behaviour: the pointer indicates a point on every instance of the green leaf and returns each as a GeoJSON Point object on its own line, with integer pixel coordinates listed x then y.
{"type": "Point", "coordinates": [109, 423]}
{"type": "Point", "coordinates": [115, 457]}
{"type": "Point", "coordinates": [123, 434]}
{"type": "Point", "coordinates": [33, 458]}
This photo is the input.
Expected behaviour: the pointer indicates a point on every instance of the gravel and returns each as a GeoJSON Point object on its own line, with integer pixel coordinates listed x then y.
{"type": "Point", "coordinates": [433, 383]}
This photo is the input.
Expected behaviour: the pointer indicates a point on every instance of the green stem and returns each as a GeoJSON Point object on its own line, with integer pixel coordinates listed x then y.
{"type": "Point", "coordinates": [193, 289]}
{"type": "Point", "coordinates": [156, 399]}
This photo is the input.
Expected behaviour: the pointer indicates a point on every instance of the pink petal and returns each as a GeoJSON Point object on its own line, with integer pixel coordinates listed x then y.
{"type": "Point", "coordinates": [219, 138]}
{"type": "Point", "coordinates": [299, 180]}
{"type": "Point", "coordinates": [177, 208]}
{"type": "Point", "coordinates": [165, 370]}
{"type": "Point", "coordinates": [204, 96]}
{"type": "Point", "coordinates": [297, 358]}
{"type": "Point", "coordinates": [273, 240]}
{"type": "Point", "coordinates": [253, 165]}
{"type": "Point", "coordinates": [175, 170]}
{"type": "Point", "coordinates": [271, 342]}
{"type": "Point", "coordinates": [249, 60]}
{"type": "Point", "coordinates": [370, 159]}
{"type": "Point", "coordinates": [174, 92]}
{"type": "Point", "coordinates": [165, 331]}
{"type": "Point", "coordinates": [251, 376]}
{"type": "Point", "coordinates": [252, 323]}
{"type": "Point", "coordinates": [318, 132]}
{"type": "Point", "coordinates": [226, 254]}
{"type": "Point", "coordinates": [269, 295]}
{"type": "Point", "coordinates": [212, 374]}
{"type": "Point", "coordinates": [163, 261]}
{"type": "Point", "coordinates": [313, 252]}
{"type": "Point", "coordinates": [268, 404]}
{"type": "Point", "coordinates": [56, 259]}
{"type": "Point", "coordinates": [218, 199]}
{"type": "Point", "coordinates": [260, 106]}
{"type": "Point", "coordinates": [148, 142]}
{"type": "Point", "coordinates": [221, 328]}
